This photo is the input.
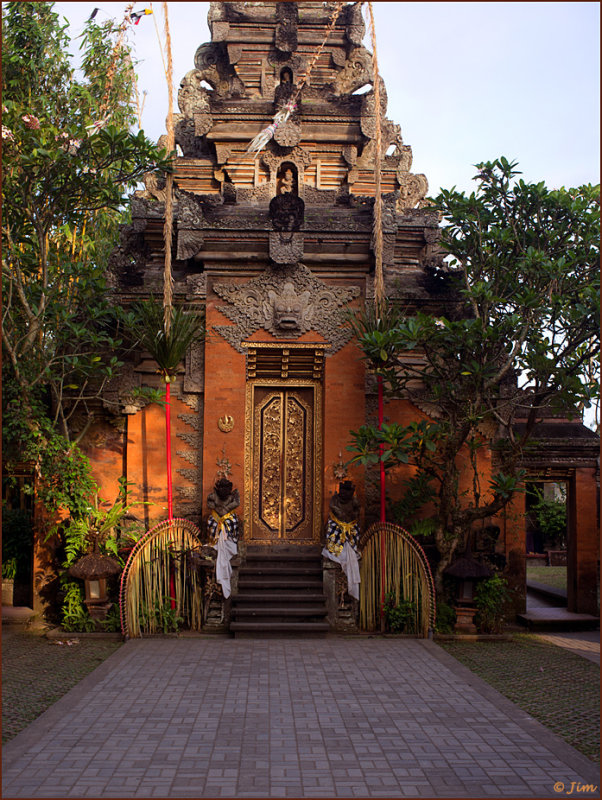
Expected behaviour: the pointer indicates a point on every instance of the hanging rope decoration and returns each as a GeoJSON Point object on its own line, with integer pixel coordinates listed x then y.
{"type": "Point", "coordinates": [168, 227]}
{"type": "Point", "coordinates": [262, 138]}
{"type": "Point", "coordinates": [377, 230]}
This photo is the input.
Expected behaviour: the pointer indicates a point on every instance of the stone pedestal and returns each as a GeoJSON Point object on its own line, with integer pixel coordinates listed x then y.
{"type": "Point", "coordinates": [342, 610]}
{"type": "Point", "coordinates": [465, 619]}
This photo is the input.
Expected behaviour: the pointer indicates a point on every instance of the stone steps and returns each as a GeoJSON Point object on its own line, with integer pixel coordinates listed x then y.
{"type": "Point", "coordinates": [280, 593]}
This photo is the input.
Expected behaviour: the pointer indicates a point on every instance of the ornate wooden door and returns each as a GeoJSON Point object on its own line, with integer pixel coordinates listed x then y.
{"type": "Point", "coordinates": [283, 465]}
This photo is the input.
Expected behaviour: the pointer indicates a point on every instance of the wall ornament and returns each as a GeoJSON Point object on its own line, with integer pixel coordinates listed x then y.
{"type": "Point", "coordinates": [287, 302]}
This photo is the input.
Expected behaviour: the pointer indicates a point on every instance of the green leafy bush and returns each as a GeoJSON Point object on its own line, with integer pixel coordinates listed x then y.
{"type": "Point", "coordinates": [446, 618]}
{"type": "Point", "coordinates": [161, 617]}
{"type": "Point", "coordinates": [9, 569]}
{"type": "Point", "coordinates": [551, 518]}
{"type": "Point", "coordinates": [112, 622]}
{"type": "Point", "coordinates": [400, 616]}
{"type": "Point", "coordinates": [491, 597]}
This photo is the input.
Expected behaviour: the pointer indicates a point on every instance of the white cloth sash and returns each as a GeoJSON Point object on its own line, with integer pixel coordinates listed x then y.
{"type": "Point", "coordinates": [350, 565]}
{"type": "Point", "coordinates": [226, 549]}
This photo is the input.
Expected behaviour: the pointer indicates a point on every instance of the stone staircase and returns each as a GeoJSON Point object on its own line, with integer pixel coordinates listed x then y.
{"type": "Point", "coordinates": [280, 593]}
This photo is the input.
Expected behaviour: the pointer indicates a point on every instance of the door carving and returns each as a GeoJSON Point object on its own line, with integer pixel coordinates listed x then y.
{"type": "Point", "coordinates": [283, 453]}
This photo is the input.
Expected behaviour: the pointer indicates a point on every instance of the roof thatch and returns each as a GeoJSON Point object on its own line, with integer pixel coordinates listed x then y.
{"type": "Point", "coordinates": [94, 566]}
{"type": "Point", "coordinates": [467, 567]}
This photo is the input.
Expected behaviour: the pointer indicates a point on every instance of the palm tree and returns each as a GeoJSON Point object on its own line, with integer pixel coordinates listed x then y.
{"type": "Point", "coordinates": [167, 344]}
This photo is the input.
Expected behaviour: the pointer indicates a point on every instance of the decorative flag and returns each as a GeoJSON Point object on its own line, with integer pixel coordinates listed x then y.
{"type": "Point", "coordinates": [137, 15]}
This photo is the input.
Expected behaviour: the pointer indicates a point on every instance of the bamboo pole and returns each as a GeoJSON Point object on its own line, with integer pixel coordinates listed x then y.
{"type": "Point", "coordinates": [379, 286]}
{"type": "Point", "coordinates": [168, 225]}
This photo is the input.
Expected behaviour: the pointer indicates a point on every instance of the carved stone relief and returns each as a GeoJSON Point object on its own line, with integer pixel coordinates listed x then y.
{"type": "Point", "coordinates": [202, 123]}
{"type": "Point", "coordinates": [368, 112]}
{"type": "Point", "coordinates": [128, 260]}
{"type": "Point", "coordinates": [356, 28]}
{"type": "Point", "coordinates": [190, 215]}
{"type": "Point", "coordinates": [286, 212]}
{"type": "Point", "coordinates": [186, 136]}
{"type": "Point", "coordinates": [288, 135]}
{"type": "Point", "coordinates": [154, 187]}
{"type": "Point", "coordinates": [194, 441]}
{"type": "Point", "coordinates": [285, 34]}
{"type": "Point", "coordinates": [194, 376]}
{"type": "Point", "coordinates": [412, 189]}
{"type": "Point", "coordinates": [211, 61]}
{"type": "Point", "coordinates": [273, 156]}
{"type": "Point", "coordinates": [286, 248]}
{"type": "Point", "coordinates": [286, 302]}
{"type": "Point", "coordinates": [196, 286]}
{"type": "Point", "coordinates": [356, 72]}
{"type": "Point", "coordinates": [189, 244]}
{"type": "Point", "coordinates": [192, 97]}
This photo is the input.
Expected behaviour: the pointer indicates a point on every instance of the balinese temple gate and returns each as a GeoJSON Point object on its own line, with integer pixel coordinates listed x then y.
{"type": "Point", "coordinates": [274, 249]}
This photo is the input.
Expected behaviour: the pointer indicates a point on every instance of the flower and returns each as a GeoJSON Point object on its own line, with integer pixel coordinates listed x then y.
{"type": "Point", "coordinates": [7, 134]}
{"type": "Point", "coordinates": [31, 121]}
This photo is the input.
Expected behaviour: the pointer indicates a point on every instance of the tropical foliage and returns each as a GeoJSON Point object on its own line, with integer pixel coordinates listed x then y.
{"type": "Point", "coordinates": [167, 344]}
{"type": "Point", "coordinates": [520, 339]}
{"type": "Point", "coordinates": [68, 159]}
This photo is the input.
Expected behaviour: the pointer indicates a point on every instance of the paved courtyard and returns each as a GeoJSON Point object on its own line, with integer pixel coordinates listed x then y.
{"type": "Point", "coordinates": [340, 717]}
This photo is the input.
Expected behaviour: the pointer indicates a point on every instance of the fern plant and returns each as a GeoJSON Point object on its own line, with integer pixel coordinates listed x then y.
{"type": "Point", "coordinates": [75, 614]}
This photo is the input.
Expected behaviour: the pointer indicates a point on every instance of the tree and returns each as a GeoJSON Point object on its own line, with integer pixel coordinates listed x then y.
{"type": "Point", "coordinates": [520, 338]}
{"type": "Point", "coordinates": [69, 158]}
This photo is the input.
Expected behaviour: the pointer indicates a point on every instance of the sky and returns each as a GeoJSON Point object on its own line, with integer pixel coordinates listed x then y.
{"type": "Point", "coordinates": [467, 82]}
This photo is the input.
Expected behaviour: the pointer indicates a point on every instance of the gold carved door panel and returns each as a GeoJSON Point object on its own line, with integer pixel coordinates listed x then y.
{"type": "Point", "coordinates": [283, 454]}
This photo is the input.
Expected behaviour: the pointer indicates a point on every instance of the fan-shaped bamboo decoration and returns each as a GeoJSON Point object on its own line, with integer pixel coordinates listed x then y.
{"type": "Point", "coordinates": [407, 574]}
{"type": "Point", "coordinates": [146, 577]}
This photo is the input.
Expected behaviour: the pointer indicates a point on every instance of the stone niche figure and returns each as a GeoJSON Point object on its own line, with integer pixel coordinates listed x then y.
{"type": "Point", "coordinates": [223, 529]}
{"type": "Point", "coordinates": [287, 209]}
{"type": "Point", "coordinates": [286, 180]}
{"type": "Point", "coordinates": [342, 535]}
{"type": "Point", "coordinates": [285, 89]}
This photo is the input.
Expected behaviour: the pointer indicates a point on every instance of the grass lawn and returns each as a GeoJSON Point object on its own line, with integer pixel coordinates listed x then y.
{"type": "Point", "coordinates": [549, 576]}
{"type": "Point", "coordinates": [36, 672]}
{"type": "Point", "coordinates": [558, 688]}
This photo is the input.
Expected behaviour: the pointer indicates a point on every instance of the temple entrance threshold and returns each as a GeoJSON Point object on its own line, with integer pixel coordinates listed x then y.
{"type": "Point", "coordinates": [280, 584]}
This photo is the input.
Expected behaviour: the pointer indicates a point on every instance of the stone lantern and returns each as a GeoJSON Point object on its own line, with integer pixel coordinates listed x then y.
{"type": "Point", "coordinates": [467, 570]}
{"type": "Point", "coordinates": [94, 569]}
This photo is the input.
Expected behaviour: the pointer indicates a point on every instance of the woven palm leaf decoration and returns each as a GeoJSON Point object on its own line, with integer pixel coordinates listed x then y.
{"type": "Point", "coordinates": [407, 575]}
{"type": "Point", "coordinates": [157, 565]}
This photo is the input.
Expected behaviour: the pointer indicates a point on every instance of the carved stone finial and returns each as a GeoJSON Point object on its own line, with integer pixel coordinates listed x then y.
{"type": "Point", "coordinates": [285, 35]}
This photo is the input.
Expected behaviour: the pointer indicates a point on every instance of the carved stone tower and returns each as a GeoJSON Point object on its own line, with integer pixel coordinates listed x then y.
{"type": "Point", "coordinates": [275, 248]}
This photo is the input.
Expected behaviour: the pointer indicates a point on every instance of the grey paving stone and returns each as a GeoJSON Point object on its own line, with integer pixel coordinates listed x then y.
{"type": "Point", "coordinates": [286, 718]}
